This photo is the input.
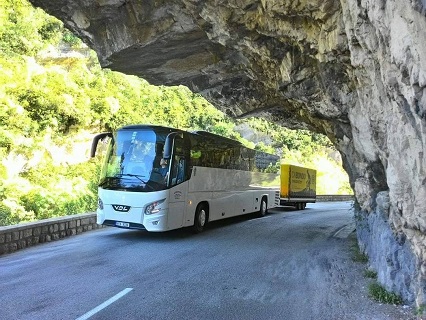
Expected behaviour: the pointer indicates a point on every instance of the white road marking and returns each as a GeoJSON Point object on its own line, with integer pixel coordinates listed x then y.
{"type": "Point", "coordinates": [105, 304]}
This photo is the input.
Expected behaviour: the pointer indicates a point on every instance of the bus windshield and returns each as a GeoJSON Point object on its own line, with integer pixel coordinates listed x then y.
{"type": "Point", "coordinates": [132, 161]}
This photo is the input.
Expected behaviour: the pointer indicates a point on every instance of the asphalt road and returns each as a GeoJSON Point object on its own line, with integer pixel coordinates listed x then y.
{"type": "Point", "coordinates": [288, 265]}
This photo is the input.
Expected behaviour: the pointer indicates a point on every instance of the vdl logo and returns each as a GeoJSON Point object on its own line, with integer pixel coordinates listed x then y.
{"type": "Point", "coordinates": [121, 208]}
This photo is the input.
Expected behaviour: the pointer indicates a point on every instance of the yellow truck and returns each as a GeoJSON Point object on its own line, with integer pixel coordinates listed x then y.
{"type": "Point", "coordinates": [297, 186]}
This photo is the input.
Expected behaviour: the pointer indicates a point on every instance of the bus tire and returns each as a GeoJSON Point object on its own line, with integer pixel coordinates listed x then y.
{"type": "Point", "coordinates": [201, 218]}
{"type": "Point", "coordinates": [263, 207]}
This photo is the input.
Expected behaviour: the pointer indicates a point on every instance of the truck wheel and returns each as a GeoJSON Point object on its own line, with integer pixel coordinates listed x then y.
{"type": "Point", "coordinates": [201, 217]}
{"type": "Point", "coordinates": [263, 207]}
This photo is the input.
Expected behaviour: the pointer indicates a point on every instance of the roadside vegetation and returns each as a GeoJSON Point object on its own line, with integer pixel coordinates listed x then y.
{"type": "Point", "coordinates": [54, 96]}
{"type": "Point", "coordinates": [380, 294]}
{"type": "Point", "coordinates": [357, 254]}
{"type": "Point", "coordinates": [371, 274]}
{"type": "Point", "coordinates": [421, 311]}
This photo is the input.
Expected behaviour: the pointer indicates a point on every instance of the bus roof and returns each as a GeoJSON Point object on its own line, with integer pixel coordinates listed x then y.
{"type": "Point", "coordinates": [143, 126]}
{"type": "Point", "coordinates": [200, 133]}
{"type": "Point", "coordinates": [216, 136]}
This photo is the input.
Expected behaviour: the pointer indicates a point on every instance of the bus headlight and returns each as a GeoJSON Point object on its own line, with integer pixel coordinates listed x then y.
{"type": "Point", "coordinates": [100, 204]}
{"type": "Point", "coordinates": [154, 207]}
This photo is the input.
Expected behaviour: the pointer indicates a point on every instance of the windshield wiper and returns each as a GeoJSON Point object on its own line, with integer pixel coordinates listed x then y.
{"type": "Point", "coordinates": [114, 182]}
{"type": "Point", "coordinates": [138, 176]}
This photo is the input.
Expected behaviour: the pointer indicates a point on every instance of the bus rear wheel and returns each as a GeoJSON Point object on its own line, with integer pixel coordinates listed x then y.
{"type": "Point", "coordinates": [263, 207]}
{"type": "Point", "coordinates": [201, 217]}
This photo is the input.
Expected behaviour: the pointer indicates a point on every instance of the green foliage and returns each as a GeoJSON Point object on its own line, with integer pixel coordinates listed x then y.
{"type": "Point", "coordinates": [421, 310]}
{"type": "Point", "coordinates": [6, 215]}
{"type": "Point", "coordinates": [70, 39]}
{"type": "Point", "coordinates": [51, 103]}
{"type": "Point", "coordinates": [370, 274]}
{"type": "Point", "coordinates": [380, 294]}
{"type": "Point", "coordinates": [25, 30]}
{"type": "Point", "coordinates": [357, 254]}
{"type": "Point", "coordinates": [359, 257]}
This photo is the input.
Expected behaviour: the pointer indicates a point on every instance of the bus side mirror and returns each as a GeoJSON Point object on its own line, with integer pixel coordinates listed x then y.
{"type": "Point", "coordinates": [95, 142]}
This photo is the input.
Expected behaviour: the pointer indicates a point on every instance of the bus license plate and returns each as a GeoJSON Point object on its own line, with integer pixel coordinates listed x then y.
{"type": "Point", "coordinates": [122, 224]}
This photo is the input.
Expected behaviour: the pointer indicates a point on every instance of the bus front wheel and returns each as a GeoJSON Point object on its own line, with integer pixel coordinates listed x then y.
{"type": "Point", "coordinates": [201, 217]}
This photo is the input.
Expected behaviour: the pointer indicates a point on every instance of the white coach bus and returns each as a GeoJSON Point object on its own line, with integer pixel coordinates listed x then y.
{"type": "Point", "coordinates": [159, 178]}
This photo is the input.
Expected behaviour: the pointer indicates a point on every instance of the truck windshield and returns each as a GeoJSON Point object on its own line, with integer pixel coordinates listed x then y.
{"type": "Point", "coordinates": [132, 161]}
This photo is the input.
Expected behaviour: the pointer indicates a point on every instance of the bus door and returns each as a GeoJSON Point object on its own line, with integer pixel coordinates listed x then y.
{"type": "Point", "coordinates": [178, 184]}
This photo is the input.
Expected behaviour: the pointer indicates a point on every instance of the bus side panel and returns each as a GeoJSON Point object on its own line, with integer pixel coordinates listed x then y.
{"type": "Point", "coordinates": [177, 206]}
{"type": "Point", "coordinates": [229, 192]}
{"type": "Point", "coordinates": [249, 201]}
{"type": "Point", "coordinates": [222, 204]}
{"type": "Point", "coordinates": [244, 203]}
{"type": "Point", "coordinates": [228, 203]}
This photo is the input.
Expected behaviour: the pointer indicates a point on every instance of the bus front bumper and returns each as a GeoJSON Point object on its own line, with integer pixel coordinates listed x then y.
{"type": "Point", "coordinates": [154, 223]}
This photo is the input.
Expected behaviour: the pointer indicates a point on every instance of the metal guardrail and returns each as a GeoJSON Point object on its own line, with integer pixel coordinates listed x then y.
{"type": "Point", "coordinates": [335, 197]}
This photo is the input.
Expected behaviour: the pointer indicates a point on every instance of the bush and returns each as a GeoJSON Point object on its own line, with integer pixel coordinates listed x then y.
{"type": "Point", "coordinates": [380, 294]}
{"type": "Point", "coordinates": [6, 217]}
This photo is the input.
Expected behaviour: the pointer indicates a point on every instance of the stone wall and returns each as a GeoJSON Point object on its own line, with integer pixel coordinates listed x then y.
{"type": "Point", "coordinates": [25, 235]}
{"type": "Point", "coordinates": [389, 254]}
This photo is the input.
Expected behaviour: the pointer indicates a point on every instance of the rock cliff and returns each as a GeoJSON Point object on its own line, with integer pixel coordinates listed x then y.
{"type": "Point", "coordinates": [354, 70]}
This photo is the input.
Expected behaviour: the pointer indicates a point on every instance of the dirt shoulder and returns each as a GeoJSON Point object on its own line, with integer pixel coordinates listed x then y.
{"type": "Point", "coordinates": [353, 281]}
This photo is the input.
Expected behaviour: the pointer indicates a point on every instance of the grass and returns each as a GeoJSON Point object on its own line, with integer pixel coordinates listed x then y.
{"type": "Point", "coordinates": [380, 294]}
{"type": "Point", "coordinates": [421, 310]}
{"type": "Point", "coordinates": [371, 274]}
{"type": "Point", "coordinates": [357, 255]}
{"type": "Point", "coordinates": [360, 257]}
{"type": "Point", "coordinates": [375, 290]}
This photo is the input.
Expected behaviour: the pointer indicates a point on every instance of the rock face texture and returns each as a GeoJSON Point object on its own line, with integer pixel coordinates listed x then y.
{"type": "Point", "coordinates": [354, 70]}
